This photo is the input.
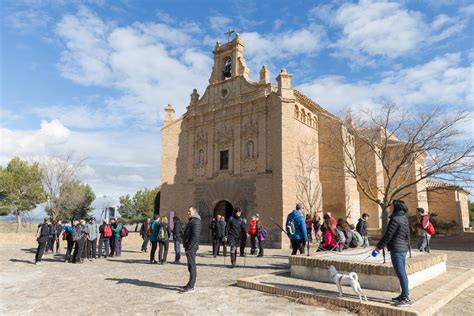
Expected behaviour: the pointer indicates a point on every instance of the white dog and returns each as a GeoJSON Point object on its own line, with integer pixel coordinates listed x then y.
{"type": "Point", "coordinates": [347, 279]}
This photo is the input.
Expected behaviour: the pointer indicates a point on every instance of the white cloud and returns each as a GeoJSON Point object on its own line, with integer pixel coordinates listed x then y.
{"type": "Point", "coordinates": [117, 163]}
{"type": "Point", "coordinates": [219, 23]}
{"type": "Point", "coordinates": [387, 29]}
{"type": "Point", "coordinates": [150, 64]}
{"type": "Point", "coordinates": [27, 21]}
{"type": "Point", "coordinates": [265, 49]}
{"type": "Point", "coordinates": [81, 116]}
{"type": "Point", "coordinates": [6, 115]}
{"type": "Point", "coordinates": [443, 81]}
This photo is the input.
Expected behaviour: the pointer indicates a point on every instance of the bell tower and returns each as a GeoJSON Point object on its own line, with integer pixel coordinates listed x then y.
{"type": "Point", "coordinates": [229, 61]}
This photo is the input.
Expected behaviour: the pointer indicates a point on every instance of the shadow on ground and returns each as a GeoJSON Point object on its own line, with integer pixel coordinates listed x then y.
{"type": "Point", "coordinates": [145, 283]}
{"type": "Point", "coordinates": [22, 261]}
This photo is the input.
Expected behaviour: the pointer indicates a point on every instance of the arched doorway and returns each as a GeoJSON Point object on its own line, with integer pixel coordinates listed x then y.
{"type": "Point", "coordinates": [223, 208]}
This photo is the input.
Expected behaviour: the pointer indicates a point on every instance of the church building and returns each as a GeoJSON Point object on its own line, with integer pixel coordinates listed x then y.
{"type": "Point", "coordinates": [255, 145]}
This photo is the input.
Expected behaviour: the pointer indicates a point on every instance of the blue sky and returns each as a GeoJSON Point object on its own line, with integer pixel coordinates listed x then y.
{"type": "Point", "coordinates": [93, 77]}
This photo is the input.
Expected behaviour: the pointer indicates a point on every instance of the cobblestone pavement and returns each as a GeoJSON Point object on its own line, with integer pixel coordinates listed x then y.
{"type": "Point", "coordinates": [130, 285]}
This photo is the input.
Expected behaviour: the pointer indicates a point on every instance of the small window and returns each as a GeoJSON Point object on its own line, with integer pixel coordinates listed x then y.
{"type": "Point", "coordinates": [224, 160]}
{"type": "Point", "coordinates": [297, 112]}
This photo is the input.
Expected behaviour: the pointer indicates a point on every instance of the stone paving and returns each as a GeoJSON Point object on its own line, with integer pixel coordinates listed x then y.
{"type": "Point", "coordinates": [129, 285]}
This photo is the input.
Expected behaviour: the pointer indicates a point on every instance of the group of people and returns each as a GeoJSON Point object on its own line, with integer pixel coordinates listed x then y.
{"type": "Point", "coordinates": [83, 237]}
{"type": "Point", "coordinates": [337, 235]}
{"type": "Point", "coordinates": [158, 233]}
{"type": "Point", "coordinates": [329, 235]}
{"type": "Point", "coordinates": [83, 234]}
{"type": "Point", "coordinates": [237, 231]}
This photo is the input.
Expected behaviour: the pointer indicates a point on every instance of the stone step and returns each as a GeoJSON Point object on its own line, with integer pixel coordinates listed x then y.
{"type": "Point", "coordinates": [428, 297]}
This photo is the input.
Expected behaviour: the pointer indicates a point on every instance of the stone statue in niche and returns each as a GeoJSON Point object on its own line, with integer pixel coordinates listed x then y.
{"type": "Point", "coordinates": [250, 149]}
{"type": "Point", "coordinates": [201, 157]}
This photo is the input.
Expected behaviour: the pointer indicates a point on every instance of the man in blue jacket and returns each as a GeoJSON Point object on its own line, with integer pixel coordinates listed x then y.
{"type": "Point", "coordinates": [296, 229]}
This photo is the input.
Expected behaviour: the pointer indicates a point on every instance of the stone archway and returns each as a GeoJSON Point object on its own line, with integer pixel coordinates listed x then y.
{"type": "Point", "coordinates": [223, 208]}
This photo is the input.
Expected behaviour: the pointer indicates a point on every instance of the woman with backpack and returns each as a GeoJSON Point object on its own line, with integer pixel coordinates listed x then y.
{"type": "Point", "coordinates": [344, 228]}
{"type": "Point", "coordinates": [329, 233]}
{"type": "Point", "coordinates": [117, 233]}
{"type": "Point", "coordinates": [104, 238]}
{"type": "Point", "coordinates": [425, 230]}
{"type": "Point", "coordinates": [163, 240]}
{"type": "Point", "coordinates": [155, 226]}
{"type": "Point", "coordinates": [261, 235]}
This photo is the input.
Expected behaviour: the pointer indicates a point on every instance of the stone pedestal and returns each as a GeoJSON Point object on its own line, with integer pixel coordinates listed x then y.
{"type": "Point", "coordinates": [372, 273]}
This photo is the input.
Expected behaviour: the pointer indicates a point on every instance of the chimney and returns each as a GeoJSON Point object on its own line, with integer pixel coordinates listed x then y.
{"type": "Point", "coordinates": [284, 85]}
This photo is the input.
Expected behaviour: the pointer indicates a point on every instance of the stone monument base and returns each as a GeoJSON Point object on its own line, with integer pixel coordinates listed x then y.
{"type": "Point", "coordinates": [373, 273]}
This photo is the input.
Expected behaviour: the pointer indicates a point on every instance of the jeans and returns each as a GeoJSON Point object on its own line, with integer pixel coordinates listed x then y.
{"type": "Point", "coordinates": [191, 257]}
{"type": "Point", "coordinates": [398, 262]}
{"type": "Point", "coordinates": [40, 251]}
{"type": "Point", "coordinates": [92, 248]}
{"type": "Point", "coordinates": [118, 246]}
{"type": "Point", "coordinates": [253, 243]}
{"type": "Point", "coordinates": [104, 242]}
{"type": "Point", "coordinates": [163, 250]}
{"type": "Point", "coordinates": [260, 246]}
{"type": "Point", "coordinates": [145, 243]}
{"type": "Point", "coordinates": [78, 249]}
{"type": "Point", "coordinates": [177, 250]}
{"type": "Point", "coordinates": [70, 246]}
{"type": "Point", "coordinates": [154, 245]}
{"type": "Point", "coordinates": [424, 242]}
{"type": "Point", "coordinates": [233, 251]}
{"type": "Point", "coordinates": [297, 244]}
{"type": "Point", "coordinates": [365, 243]}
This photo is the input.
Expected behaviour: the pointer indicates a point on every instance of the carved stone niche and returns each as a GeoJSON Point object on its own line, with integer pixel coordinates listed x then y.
{"type": "Point", "coordinates": [200, 139]}
{"type": "Point", "coordinates": [200, 146]}
{"type": "Point", "coordinates": [224, 136]}
{"type": "Point", "coordinates": [250, 128]}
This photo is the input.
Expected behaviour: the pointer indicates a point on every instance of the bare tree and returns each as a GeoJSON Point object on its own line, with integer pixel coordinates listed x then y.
{"type": "Point", "coordinates": [409, 148]}
{"type": "Point", "coordinates": [308, 187]}
{"type": "Point", "coordinates": [58, 173]}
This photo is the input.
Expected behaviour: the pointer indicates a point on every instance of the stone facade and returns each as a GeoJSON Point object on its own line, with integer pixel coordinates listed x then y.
{"type": "Point", "coordinates": [259, 146]}
{"type": "Point", "coordinates": [449, 203]}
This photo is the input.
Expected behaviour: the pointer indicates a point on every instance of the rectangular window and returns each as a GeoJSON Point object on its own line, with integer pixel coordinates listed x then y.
{"type": "Point", "coordinates": [224, 160]}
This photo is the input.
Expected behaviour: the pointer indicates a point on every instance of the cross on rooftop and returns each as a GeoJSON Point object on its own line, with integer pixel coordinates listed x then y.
{"type": "Point", "coordinates": [228, 33]}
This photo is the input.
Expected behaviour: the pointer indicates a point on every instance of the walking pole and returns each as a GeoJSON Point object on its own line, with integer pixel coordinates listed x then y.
{"type": "Point", "coordinates": [225, 252]}
{"type": "Point", "coordinates": [427, 244]}
{"type": "Point", "coordinates": [383, 253]}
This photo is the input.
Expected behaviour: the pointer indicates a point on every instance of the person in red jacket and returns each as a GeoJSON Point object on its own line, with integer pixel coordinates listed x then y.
{"type": "Point", "coordinates": [425, 230]}
{"type": "Point", "coordinates": [252, 231]}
